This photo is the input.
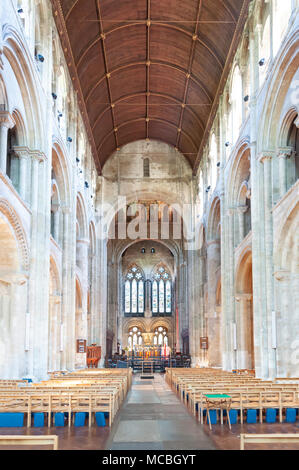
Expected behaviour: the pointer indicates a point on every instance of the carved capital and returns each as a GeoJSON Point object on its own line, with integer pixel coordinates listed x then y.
{"type": "Point", "coordinates": [242, 209]}
{"type": "Point", "coordinates": [265, 156]}
{"type": "Point", "coordinates": [22, 152]}
{"type": "Point", "coordinates": [38, 155]}
{"type": "Point", "coordinates": [282, 275]}
{"type": "Point", "coordinates": [285, 152]}
{"type": "Point", "coordinates": [6, 120]}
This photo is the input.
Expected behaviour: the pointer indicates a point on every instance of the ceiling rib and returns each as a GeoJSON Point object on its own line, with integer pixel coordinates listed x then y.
{"type": "Point", "coordinates": [148, 63]}
{"type": "Point", "coordinates": [153, 62]}
{"type": "Point", "coordinates": [157, 23]}
{"type": "Point", "coordinates": [188, 75]}
{"type": "Point", "coordinates": [161, 95]}
{"type": "Point", "coordinates": [162, 52]}
{"type": "Point", "coordinates": [142, 120]}
{"type": "Point", "coordinates": [103, 37]}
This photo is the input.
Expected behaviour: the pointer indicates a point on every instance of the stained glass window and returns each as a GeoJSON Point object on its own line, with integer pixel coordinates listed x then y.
{"type": "Point", "coordinates": [134, 296]}
{"type": "Point", "coordinates": [155, 297]}
{"type": "Point", "coordinates": [161, 292]}
{"type": "Point", "coordinates": [127, 297]}
{"type": "Point", "coordinates": [168, 297]}
{"type": "Point", "coordinates": [134, 292]}
{"type": "Point", "coordinates": [161, 337]}
{"type": "Point", "coordinates": [161, 296]}
{"type": "Point", "coordinates": [140, 297]}
{"type": "Point", "coordinates": [135, 338]}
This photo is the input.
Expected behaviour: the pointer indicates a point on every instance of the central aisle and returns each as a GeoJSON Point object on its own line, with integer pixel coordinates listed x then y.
{"type": "Point", "coordinates": [153, 418]}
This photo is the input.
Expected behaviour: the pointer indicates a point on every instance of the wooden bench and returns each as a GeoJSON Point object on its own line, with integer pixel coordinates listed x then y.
{"type": "Point", "coordinates": [30, 441]}
{"type": "Point", "coordinates": [267, 439]}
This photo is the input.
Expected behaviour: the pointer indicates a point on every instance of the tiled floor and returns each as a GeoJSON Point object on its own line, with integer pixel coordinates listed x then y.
{"type": "Point", "coordinates": [153, 418]}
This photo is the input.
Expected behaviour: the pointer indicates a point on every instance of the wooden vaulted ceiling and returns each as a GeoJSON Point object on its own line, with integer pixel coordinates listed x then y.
{"type": "Point", "coordinates": [149, 69]}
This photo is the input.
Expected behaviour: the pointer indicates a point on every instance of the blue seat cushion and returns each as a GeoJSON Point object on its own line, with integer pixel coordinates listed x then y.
{"type": "Point", "coordinates": [80, 419]}
{"type": "Point", "coordinates": [100, 419]}
{"type": "Point", "coordinates": [251, 416]}
{"type": "Point", "coordinates": [11, 420]}
{"type": "Point", "coordinates": [271, 414]}
{"type": "Point", "coordinates": [59, 419]}
{"type": "Point", "coordinates": [213, 416]}
{"type": "Point", "coordinates": [39, 420]}
{"type": "Point", "coordinates": [290, 415]}
{"type": "Point", "coordinates": [233, 416]}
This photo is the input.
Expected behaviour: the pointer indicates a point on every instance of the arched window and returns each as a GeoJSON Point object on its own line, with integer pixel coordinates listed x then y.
{"type": "Point", "coordinates": [161, 293]}
{"type": "Point", "coordinates": [265, 50]}
{"type": "Point", "coordinates": [282, 11]}
{"type": "Point", "coordinates": [161, 337]}
{"type": "Point", "coordinates": [134, 292]}
{"type": "Point", "coordinates": [146, 168]}
{"type": "Point", "coordinates": [213, 158]}
{"type": "Point", "coordinates": [134, 338]}
{"type": "Point", "coordinates": [236, 104]}
{"type": "Point", "coordinates": [13, 162]}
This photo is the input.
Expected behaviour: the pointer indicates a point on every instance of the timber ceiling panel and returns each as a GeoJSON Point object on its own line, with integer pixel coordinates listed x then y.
{"type": "Point", "coordinates": [149, 69]}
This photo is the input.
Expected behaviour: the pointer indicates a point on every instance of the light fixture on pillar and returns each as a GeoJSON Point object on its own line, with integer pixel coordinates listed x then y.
{"type": "Point", "coordinates": [60, 114]}
{"type": "Point", "coordinates": [86, 185]}
{"type": "Point", "coordinates": [54, 96]}
{"type": "Point", "coordinates": [40, 58]}
{"type": "Point", "coordinates": [246, 98]}
{"type": "Point", "coordinates": [77, 160]}
{"type": "Point", "coordinates": [262, 62]}
{"type": "Point", "coordinates": [208, 189]}
{"type": "Point", "coordinates": [218, 164]}
{"type": "Point", "coordinates": [227, 144]}
{"type": "Point", "coordinates": [21, 13]}
{"type": "Point", "coordinates": [69, 139]}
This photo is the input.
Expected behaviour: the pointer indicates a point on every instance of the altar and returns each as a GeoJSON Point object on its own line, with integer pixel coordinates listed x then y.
{"type": "Point", "coordinates": [150, 352]}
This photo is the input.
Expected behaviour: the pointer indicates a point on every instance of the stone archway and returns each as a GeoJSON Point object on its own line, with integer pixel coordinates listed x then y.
{"type": "Point", "coordinates": [244, 313]}
{"type": "Point", "coordinates": [13, 288]}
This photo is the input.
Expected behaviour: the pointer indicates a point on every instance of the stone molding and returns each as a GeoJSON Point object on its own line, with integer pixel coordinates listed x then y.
{"type": "Point", "coordinates": [6, 209]}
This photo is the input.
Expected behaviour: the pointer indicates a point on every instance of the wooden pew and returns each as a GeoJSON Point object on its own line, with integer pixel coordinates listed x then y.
{"type": "Point", "coordinates": [30, 441]}
{"type": "Point", "coordinates": [267, 439]}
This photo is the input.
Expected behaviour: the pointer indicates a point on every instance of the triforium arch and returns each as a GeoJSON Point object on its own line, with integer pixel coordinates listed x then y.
{"type": "Point", "coordinates": [17, 55]}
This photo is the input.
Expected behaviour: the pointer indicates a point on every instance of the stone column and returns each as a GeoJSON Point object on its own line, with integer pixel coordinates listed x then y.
{"type": "Point", "coordinates": [241, 211]}
{"type": "Point", "coordinates": [6, 122]}
{"type": "Point", "coordinates": [23, 154]}
{"type": "Point", "coordinates": [56, 232]}
{"type": "Point", "coordinates": [82, 257]}
{"type": "Point", "coordinates": [266, 160]}
{"type": "Point", "coordinates": [283, 155]}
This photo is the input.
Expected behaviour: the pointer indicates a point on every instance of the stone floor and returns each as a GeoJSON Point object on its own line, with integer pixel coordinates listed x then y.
{"type": "Point", "coordinates": [153, 418]}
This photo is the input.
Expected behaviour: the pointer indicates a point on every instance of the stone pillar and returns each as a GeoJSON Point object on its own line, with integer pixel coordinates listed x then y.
{"type": "Point", "coordinates": [241, 211]}
{"type": "Point", "coordinates": [56, 232]}
{"type": "Point", "coordinates": [283, 156]}
{"type": "Point", "coordinates": [6, 122]}
{"type": "Point", "coordinates": [23, 154]}
{"type": "Point", "coordinates": [266, 160]}
{"type": "Point", "coordinates": [82, 259]}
